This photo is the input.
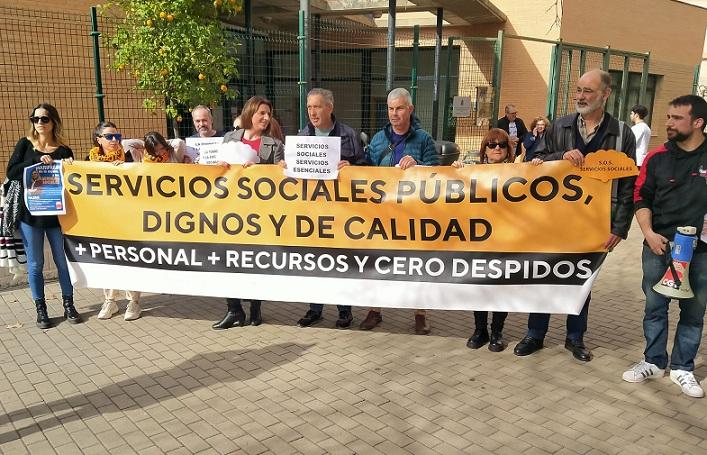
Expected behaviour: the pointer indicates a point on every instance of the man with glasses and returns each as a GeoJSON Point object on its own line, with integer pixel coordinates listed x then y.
{"type": "Point", "coordinates": [514, 126]}
{"type": "Point", "coordinates": [570, 138]}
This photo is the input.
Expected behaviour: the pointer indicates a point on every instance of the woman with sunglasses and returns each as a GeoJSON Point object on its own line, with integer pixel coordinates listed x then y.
{"type": "Point", "coordinates": [107, 149]}
{"type": "Point", "coordinates": [494, 150]}
{"type": "Point", "coordinates": [44, 144]}
{"type": "Point", "coordinates": [259, 131]}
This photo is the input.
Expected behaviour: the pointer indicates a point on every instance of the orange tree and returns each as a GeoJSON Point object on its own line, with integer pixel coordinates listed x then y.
{"type": "Point", "coordinates": [176, 50]}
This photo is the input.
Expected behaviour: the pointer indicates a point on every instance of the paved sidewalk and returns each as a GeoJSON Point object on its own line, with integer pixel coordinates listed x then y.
{"type": "Point", "coordinates": [167, 383]}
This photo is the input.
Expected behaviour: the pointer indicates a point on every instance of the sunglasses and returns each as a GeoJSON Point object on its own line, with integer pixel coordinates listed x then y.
{"type": "Point", "coordinates": [43, 119]}
{"type": "Point", "coordinates": [112, 137]}
{"type": "Point", "coordinates": [493, 145]}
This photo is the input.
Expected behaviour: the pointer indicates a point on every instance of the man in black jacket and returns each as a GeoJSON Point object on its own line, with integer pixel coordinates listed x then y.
{"type": "Point", "coordinates": [514, 126]}
{"type": "Point", "coordinates": [571, 138]}
{"type": "Point", "coordinates": [671, 192]}
{"type": "Point", "coordinates": [320, 109]}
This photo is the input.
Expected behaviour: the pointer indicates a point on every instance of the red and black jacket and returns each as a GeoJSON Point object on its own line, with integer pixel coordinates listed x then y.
{"type": "Point", "coordinates": [673, 185]}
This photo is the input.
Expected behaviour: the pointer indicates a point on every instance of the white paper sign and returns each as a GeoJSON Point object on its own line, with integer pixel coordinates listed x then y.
{"type": "Point", "coordinates": [312, 157]}
{"type": "Point", "coordinates": [203, 150]}
{"type": "Point", "coordinates": [461, 107]}
{"type": "Point", "coordinates": [236, 153]}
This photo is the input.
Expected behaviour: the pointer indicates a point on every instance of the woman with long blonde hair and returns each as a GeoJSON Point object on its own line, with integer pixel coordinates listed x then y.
{"type": "Point", "coordinates": [44, 144]}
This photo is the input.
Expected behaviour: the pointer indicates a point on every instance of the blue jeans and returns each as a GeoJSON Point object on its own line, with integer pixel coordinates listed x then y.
{"type": "Point", "coordinates": [655, 322]}
{"type": "Point", "coordinates": [33, 239]}
{"type": "Point", "coordinates": [576, 324]}
{"type": "Point", "coordinates": [318, 307]}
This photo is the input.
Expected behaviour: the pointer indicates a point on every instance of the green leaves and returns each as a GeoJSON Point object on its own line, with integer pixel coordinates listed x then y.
{"type": "Point", "coordinates": [176, 50]}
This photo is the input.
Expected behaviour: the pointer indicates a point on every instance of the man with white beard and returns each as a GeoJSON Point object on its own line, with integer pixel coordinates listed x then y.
{"type": "Point", "coordinates": [571, 138]}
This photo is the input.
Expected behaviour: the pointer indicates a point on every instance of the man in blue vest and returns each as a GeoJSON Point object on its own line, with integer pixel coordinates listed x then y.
{"type": "Point", "coordinates": [571, 138]}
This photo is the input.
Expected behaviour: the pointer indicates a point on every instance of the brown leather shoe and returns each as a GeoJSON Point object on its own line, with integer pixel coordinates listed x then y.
{"type": "Point", "coordinates": [421, 327]}
{"type": "Point", "coordinates": [372, 319]}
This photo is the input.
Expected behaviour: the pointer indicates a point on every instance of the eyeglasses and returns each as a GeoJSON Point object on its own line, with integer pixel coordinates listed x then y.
{"type": "Point", "coordinates": [43, 119]}
{"type": "Point", "coordinates": [112, 136]}
{"type": "Point", "coordinates": [493, 145]}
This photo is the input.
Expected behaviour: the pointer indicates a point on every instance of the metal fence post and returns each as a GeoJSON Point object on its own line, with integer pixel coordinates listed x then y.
{"type": "Point", "coordinates": [390, 70]}
{"type": "Point", "coordinates": [95, 34]}
{"type": "Point", "coordinates": [607, 58]}
{"type": "Point", "coordinates": [250, 50]}
{"type": "Point", "coordinates": [447, 89]}
{"type": "Point", "coordinates": [644, 78]}
{"type": "Point", "coordinates": [438, 62]}
{"type": "Point", "coordinates": [497, 64]}
{"type": "Point", "coordinates": [582, 61]}
{"type": "Point", "coordinates": [302, 72]}
{"type": "Point", "coordinates": [415, 60]}
{"type": "Point", "coordinates": [552, 88]}
{"type": "Point", "coordinates": [623, 99]}
{"type": "Point", "coordinates": [558, 74]}
{"type": "Point", "coordinates": [566, 83]}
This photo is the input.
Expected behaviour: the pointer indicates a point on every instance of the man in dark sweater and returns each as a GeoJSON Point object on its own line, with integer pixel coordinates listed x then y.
{"type": "Point", "coordinates": [671, 192]}
{"type": "Point", "coordinates": [320, 109]}
{"type": "Point", "coordinates": [514, 126]}
{"type": "Point", "coordinates": [571, 138]}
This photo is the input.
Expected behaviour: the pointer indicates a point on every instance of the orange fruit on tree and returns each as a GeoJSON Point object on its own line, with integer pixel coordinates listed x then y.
{"type": "Point", "coordinates": [163, 15]}
{"type": "Point", "coordinates": [202, 76]}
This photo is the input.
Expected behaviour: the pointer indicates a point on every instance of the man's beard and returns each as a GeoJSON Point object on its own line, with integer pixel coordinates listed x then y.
{"type": "Point", "coordinates": [677, 136]}
{"type": "Point", "coordinates": [589, 108]}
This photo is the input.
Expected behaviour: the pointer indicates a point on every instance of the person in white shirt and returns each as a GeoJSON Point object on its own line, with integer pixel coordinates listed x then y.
{"type": "Point", "coordinates": [642, 132]}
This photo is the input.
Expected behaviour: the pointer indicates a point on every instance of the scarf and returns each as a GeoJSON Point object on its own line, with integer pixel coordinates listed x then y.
{"type": "Point", "coordinates": [98, 154]}
{"type": "Point", "coordinates": [147, 158]}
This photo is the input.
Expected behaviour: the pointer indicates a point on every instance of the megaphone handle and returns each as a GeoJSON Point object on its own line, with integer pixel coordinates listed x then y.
{"type": "Point", "coordinates": [676, 281]}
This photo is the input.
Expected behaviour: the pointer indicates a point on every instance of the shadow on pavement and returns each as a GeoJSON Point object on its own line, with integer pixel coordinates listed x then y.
{"type": "Point", "coordinates": [83, 406]}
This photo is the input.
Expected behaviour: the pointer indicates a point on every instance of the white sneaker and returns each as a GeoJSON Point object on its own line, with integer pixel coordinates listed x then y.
{"type": "Point", "coordinates": [642, 371]}
{"type": "Point", "coordinates": [108, 309]}
{"type": "Point", "coordinates": [133, 311]}
{"type": "Point", "coordinates": [687, 382]}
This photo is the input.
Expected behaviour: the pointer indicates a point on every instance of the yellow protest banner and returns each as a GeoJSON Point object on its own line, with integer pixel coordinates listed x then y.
{"type": "Point", "coordinates": [513, 237]}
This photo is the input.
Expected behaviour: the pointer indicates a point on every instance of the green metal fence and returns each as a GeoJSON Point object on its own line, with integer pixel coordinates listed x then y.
{"type": "Point", "coordinates": [476, 82]}
{"type": "Point", "coordinates": [630, 79]}
{"type": "Point", "coordinates": [349, 58]}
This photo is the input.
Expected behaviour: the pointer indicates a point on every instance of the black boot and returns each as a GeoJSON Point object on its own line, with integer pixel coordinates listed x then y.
{"type": "Point", "coordinates": [255, 317]}
{"type": "Point", "coordinates": [479, 338]}
{"type": "Point", "coordinates": [43, 321]}
{"type": "Point", "coordinates": [497, 343]}
{"type": "Point", "coordinates": [70, 313]}
{"type": "Point", "coordinates": [234, 317]}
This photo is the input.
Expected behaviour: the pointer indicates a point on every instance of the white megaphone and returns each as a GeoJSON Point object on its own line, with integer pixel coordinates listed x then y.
{"type": "Point", "coordinates": [675, 282]}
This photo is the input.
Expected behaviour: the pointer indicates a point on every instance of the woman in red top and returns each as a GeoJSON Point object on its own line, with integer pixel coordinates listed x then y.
{"type": "Point", "coordinates": [256, 132]}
